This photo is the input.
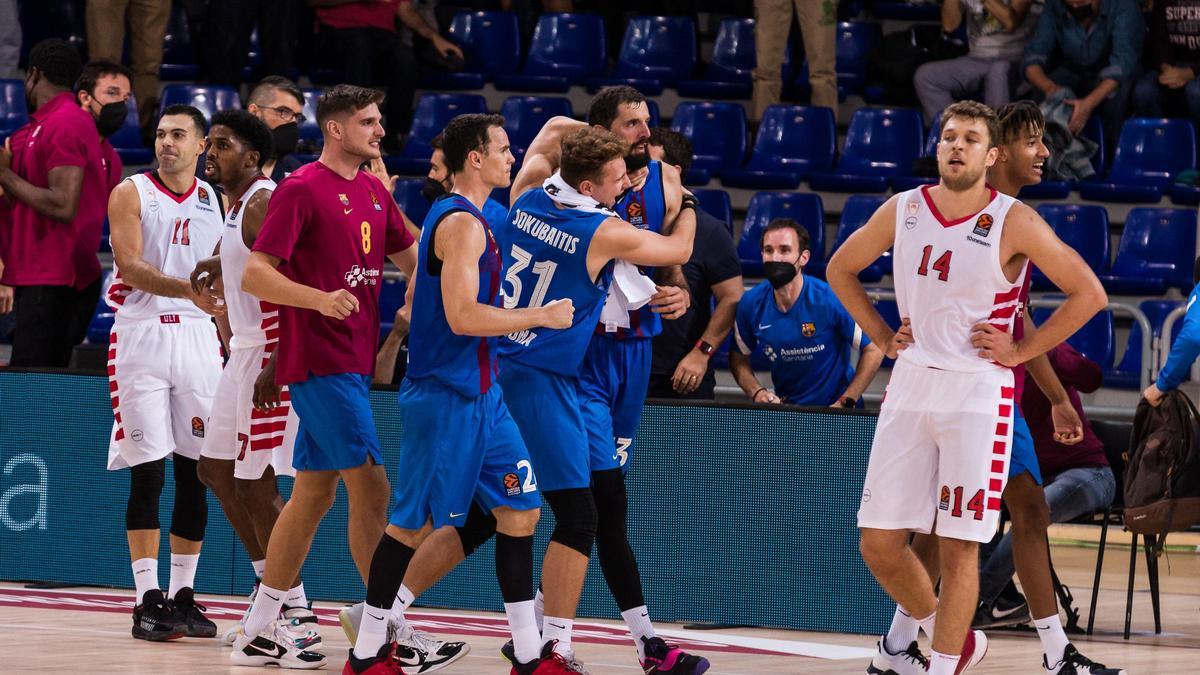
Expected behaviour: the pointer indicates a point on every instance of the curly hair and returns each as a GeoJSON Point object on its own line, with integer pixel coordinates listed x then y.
{"type": "Point", "coordinates": [586, 152]}
{"type": "Point", "coordinates": [253, 133]}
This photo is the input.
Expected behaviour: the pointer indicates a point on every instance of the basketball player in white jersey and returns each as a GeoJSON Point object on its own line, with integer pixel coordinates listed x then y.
{"type": "Point", "coordinates": [164, 360]}
{"type": "Point", "coordinates": [942, 443]}
{"type": "Point", "coordinates": [252, 426]}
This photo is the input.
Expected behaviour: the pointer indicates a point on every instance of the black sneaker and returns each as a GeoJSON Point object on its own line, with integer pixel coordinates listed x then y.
{"type": "Point", "coordinates": [190, 614]}
{"type": "Point", "coordinates": [1010, 609]}
{"type": "Point", "coordinates": [153, 620]}
{"type": "Point", "coordinates": [667, 659]}
{"type": "Point", "coordinates": [1074, 663]}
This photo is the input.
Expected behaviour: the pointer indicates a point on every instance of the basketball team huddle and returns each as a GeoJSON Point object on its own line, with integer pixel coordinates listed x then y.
{"type": "Point", "coordinates": [529, 361]}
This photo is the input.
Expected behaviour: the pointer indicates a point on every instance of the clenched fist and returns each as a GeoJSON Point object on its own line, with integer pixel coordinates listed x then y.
{"type": "Point", "coordinates": [338, 304]}
{"type": "Point", "coordinates": [558, 314]}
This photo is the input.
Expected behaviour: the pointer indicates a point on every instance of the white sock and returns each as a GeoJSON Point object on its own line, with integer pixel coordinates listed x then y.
{"type": "Point", "coordinates": [539, 609]}
{"type": "Point", "coordinates": [927, 625]}
{"type": "Point", "coordinates": [1053, 637]}
{"type": "Point", "coordinates": [902, 633]}
{"type": "Point", "coordinates": [259, 566]}
{"type": "Point", "coordinates": [638, 621]}
{"type": "Point", "coordinates": [556, 628]}
{"type": "Point", "coordinates": [372, 632]}
{"type": "Point", "coordinates": [942, 664]}
{"type": "Point", "coordinates": [404, 600]}
{"type": "Point", "coordinates": [145, 577]}
{"type": "Point", "coordinates": [265, 609]}
{"type": "Point", "coordinates": [183, 572]}
{"type": "Point", "coordinates": [527, 640]}
{"type": "Point", "coordinates": [296, 597]}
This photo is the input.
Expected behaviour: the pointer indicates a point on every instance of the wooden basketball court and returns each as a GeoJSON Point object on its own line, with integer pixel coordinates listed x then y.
{"type": "Point", "coordinates": [85, 629]}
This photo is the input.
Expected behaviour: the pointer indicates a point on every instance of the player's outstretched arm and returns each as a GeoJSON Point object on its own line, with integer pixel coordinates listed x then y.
{"type": "Point", "coordinates": [860, 250]}
{"type": "Point", "coordinates": [262, 280]}
{"type": "Point", "coordinates": [674, 296]}
{"type": "Point", "coordinates": [458, 242]}
{"type": "Point", "coordinates": [125, 224]}
{"type": "Point", "coordinates": [616, 238]}
{"type": "Point", "coordinates": [543, 156]}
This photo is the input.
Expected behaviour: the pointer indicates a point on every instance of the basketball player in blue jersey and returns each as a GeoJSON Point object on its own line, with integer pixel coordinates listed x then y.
{"type": "Point", "coordinates": [460, 444]}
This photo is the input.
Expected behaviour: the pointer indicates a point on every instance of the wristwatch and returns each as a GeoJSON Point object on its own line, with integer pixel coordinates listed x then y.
{"type": "Point", "coordinates": [705, 348]}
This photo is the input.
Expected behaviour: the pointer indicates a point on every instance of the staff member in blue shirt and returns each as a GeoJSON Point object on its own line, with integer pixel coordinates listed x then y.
{"type": "Point", "coordinates": [803, 329]}
{"type": "Point", "coordinates": [1183, 352]}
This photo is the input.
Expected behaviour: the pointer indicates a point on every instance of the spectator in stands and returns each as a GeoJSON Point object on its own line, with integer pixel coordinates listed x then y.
{"type": "Point", "coordinates": [996, 34]}
{"type": "Point", "coordinates": [681, 366]}
{"type": "Point", "coordinates": [1077, 478]}
{"type": "Point", "coordinates": [818, 27]}
{"type": "Point", "coordinates": [1170, 83]}
{"type": "Point", "coordinates": [147, 21]}
{"type": "Point", "coordinates": [279, 103]}
{"type": "Point", "coordinates": [1184, 350]}
{"type": "Point", "coordinates": [391, 362]}
{"type": "Point", "coordinates": [51, 175]}
{"type": "Point", "coordinates": [227, 37]}
{"type": "Point", "coordinates": [103, 92]}
{"type": "Point", "coordinates": [362, 36]}
{"type": "Point", "coordinates": [802, 327]}
{"type": "Point", "coordinates": [10, 39]}
{"type": "Point", "coordinates": [1097, 44]}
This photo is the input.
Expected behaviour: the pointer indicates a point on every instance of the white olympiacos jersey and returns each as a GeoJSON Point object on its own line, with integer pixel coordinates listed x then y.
{"type": "Point", "coordinates": [177, 233]}
{"type": "Point", "coordinates": [254, 322]}
{"type": "Point", "coordinates": [949, 277]}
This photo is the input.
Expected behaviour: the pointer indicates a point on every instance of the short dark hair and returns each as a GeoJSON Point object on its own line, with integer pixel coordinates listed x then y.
{"type": "Point", "coordinates": [802, 237]}
{"type": "Point", "coordinates": [677, 149]}
{"type": "Point", "coordinates": [252, 132]}
{"type": "Point", "coordinates": [57, 61]}
{"type": "Point", "coordinates": [438, 142]}
{"type": "Point", "coordinates": [608, 101]}
{"type": "Point", "coordinates": [1020, 117]}
{"type": "Point", "coordinates": [974, 110]}
{"type": "Point", "coordinates": [585, 153]}
{"type": "Point", "coordinates": [465, 134]}
{"type": "Point", "coordinates": [190, 111]}
{"type": "Point", "coordinates": [345, 98]}
{"type": "Point", "coordinates": [94, 70]}
{"type": "Point", "coordinates": [269, 85]}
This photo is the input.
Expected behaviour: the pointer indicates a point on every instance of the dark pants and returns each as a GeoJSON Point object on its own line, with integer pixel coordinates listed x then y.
{"type": "Point", "coordinates": [373, 57]}
{"type": "Point", "coordinates": [1111, 110]}
{"type": "Point", "coordinates": [660, 387]}
{"type": "Point", "coordinates": [1151, 99]}
{"type": "Point", "coordinates": [44, 319]}
{"type": "Point", "coordinates": [228, 29]}
{"type": "Point", "coordinates": [84, 308]}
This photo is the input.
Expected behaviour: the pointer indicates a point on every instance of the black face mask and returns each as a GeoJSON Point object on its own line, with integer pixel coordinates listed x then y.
{"type": "Point", "coordinates": [284, 139]}
{"type": "Point", "coordinates": [111, 118]}
{"type": "Point", "coordinates": [1081, 13]}
{"type": "Point", "coordinates": [432, 189]}
{"type": "Point", "coordinates": [29, 106]}
{"type": "Point", "coordinates": [780, 274]}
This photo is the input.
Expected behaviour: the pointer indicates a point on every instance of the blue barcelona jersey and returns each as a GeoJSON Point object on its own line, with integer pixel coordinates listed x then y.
{"type": "Point", "coordinates": [645, 208]}
{"type": "Point", "coordinates": [496, 214]}
{"type": "Point", "coordinates": [545, 258]}
{"type": "Point", "coordinates": [463, 363]}
{"type": "Point", "coordinates": [809, 345]}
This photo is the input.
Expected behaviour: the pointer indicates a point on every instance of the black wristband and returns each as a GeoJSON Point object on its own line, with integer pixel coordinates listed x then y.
{"type": "Point", "coordinates": [754, 396]}
{"type": "Point", "coordinates": [689, 202]}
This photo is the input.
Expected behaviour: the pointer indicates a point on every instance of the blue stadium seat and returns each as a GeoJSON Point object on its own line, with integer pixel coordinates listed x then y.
{"type": "Point", "coordinates": [102, 318]}
{"type": "Point", "coordinates": [906, 10]}
{"type": "Point", "coordinates": [566, 49]}
{"type": "Point", "coordinates": [881, 143]}
{"type": "Point", "coordinates": [1183, 195]}
{"type": "Point", "coordinates": [1084, 227]}
{"type": "Point", "coordinates": [491, 42]}
{"type": "Point", "coordinates": [208, 99]}
{"type": "Point", "coordinates": [128, 139]}
{"type": "Point", "coordinates": [652, 106]}
{"type": "Point", "coordinates": [792, 142]}
{"type": "Point", "coordinates": [407, 194]}
{"type": "Point", "coordinates": [433, 113]}
{"type": "Point", "coordinates": [764, 207]}
{"type": "Point", "coordinates": [855, 213]}
{"type": "Point", "coordinates": [716, 204]}
{"type": "Point", "coordinates": [1157, 252]}
{"type": "Point", "coordinates": [13, 114]}
{"type": "Point", "coordinates": [52, 19]}
{"type": "Point", "coordinates": [855, 42]}
{"type": "Point", "coordinates": [1150, 153]}
{"type": "Point", "coordinates": [656, 52]}
{"type": "Point", "coordinates": [1097, 339]}
{"type": "Point", "coordinates": [1127, 374]}
{"type": "Point", "coordinates": [718, 134]}
{"type": "Point", "coordinates": [309, 129]}
{"type": "Point", "coordinates": [524, 117]}
{"type": "Point", "coordinates": [729, 72]}
{"type": "Point", "coordinates": [179, 53]}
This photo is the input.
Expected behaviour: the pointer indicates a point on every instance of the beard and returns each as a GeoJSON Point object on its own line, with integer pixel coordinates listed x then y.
{"type": "Point", "coordinates": [962, 182]}
{"type": "Point", "coordinates": [636, 162]}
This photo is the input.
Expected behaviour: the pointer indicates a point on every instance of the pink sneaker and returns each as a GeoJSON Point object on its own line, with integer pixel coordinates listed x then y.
{"type": "Point", "coordinates": [664, 659]}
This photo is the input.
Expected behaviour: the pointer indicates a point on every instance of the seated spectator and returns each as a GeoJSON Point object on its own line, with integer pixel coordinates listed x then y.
{"type": "Point", "coordinates": [279, 103]}
{"type": "Point", "coordinates": [803, 329]}
{"type": "Point", "coordinates": [1184, 350]}
{"type": "Point", "coordinates": [1098, 44]}
{"type": "Point", "coordinates": [996, 34]}
{"type": "Point", "coordinates": [1170, 85]}
{"type": "Point", "coordinates": [681, 366]}
{"type": "Point", "coordinates": [1076, 478]}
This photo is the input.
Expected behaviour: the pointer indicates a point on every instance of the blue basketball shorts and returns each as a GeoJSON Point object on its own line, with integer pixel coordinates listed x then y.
{"type": "Point", "coordinates": [613, 381]}
{"type": "Point", "coordinates": [337, 428]}
{"type": "Point", "coordinates": [546, 408]}
{"type": "Point", "coordinates": [1024, 455]}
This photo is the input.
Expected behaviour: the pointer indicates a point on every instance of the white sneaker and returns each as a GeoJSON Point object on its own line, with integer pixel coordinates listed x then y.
{"type": "Point", "coordinates": [908, 662]}
{"type": "Point", "coordinates": [431, 653]}
{"type": "Point", "coordinates": [231, 633]}
{"type": "Point", "coordinates": [273, 646]}
{"type": "Point", "coordinates": [351, 618]}
{"type": "Point", "coordinates": [974, 649]}
{"type": "Point", "coordinates": [301, 625]}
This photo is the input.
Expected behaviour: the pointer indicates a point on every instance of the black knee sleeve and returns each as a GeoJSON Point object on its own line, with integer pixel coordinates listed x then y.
{"type": "Point", "coordinates": [190, 516]}
{"type": "Point", "coordinates": [145, 487]}
{"type": "Point", "coordinates": [480, 527]}
{"type": "Point", "coordinates": [617, 560]}
{"type": "Point", "coordinates": [574, 518]}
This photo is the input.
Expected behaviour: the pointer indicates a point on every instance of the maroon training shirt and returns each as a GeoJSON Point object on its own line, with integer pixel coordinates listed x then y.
{"type": "Point", "coordinates": [93, 209]}
{"type": "Point", "coordinates": [1077, 373]}
{"type": "Point", "coordinates": [368, 14]}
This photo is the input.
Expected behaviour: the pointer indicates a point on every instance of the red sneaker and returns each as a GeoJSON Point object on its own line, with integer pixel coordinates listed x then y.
{"type": "Point", "coordinates": [386, 662]}
{"type": "Point", "coordinates": [974, 649]}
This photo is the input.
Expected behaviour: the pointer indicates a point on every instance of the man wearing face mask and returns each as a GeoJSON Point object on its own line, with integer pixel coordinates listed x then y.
{"type": "Point", "coordinates": [802, 327]}
{"type": "Point", "coordinates": [102, 90]}
{"type": "Point", "coordinates": [279, 103]}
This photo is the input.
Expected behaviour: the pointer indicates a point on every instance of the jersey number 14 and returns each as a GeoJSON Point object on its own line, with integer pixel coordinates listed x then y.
{"type": "Point", "coordinates": [941, 265]}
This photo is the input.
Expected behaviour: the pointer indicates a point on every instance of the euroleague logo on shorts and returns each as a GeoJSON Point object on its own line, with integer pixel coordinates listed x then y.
{"type": "Point", "coordinates": [944, 502]}
{"type": "Point", "coordinates": [197, 427]}
{"type": "Point", "coordinates": [983, 226]}
{"type": "Point", "coordinates": [512, 483]}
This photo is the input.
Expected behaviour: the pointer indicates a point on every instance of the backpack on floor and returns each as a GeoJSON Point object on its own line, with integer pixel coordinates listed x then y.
{"type": "Point", "coordinates": [1162, 479]}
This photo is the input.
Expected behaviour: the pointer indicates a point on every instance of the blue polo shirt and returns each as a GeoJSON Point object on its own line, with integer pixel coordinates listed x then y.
{"type": "Point", "coordinates": [1185, 349]}
{"type": "Point", "coordinates": [809, 345]}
